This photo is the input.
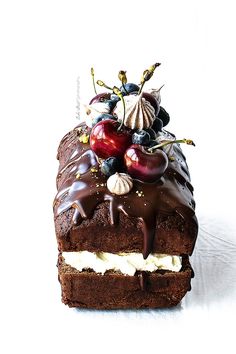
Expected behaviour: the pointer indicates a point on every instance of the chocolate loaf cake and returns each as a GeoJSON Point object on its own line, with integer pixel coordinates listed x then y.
{"type": "Point", "coordinates": [124, 212]}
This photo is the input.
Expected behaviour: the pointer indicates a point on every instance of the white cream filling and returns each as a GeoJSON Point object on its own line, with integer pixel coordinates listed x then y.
{"type": "Point", "coordinates": [126, 263]}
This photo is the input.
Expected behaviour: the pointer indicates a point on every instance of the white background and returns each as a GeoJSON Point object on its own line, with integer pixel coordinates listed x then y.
{"type": "Point", "coordinates": [44, 46]}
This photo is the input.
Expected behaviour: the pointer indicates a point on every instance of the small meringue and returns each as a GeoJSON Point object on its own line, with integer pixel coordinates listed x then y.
{"type": "Point", "coordinates": [120, 183]}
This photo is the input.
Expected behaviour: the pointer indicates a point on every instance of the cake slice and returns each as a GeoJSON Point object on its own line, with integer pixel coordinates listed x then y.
{"type": "Point", "coordinates": [124, 212]}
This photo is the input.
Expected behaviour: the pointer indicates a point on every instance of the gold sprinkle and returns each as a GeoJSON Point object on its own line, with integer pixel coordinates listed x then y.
{"type": "Point", "coordinates": [93, 169]}
{"type": "Point", "coordinates": [171, 158]}
{"type": "Point", "coordinates": [84, 138]}
{"type": "Point", "coordinates": [77, 176]}
{"type": "Point", "coordinates": [140, 194]}
{"type": "Point", "coordinates": [97, 185]}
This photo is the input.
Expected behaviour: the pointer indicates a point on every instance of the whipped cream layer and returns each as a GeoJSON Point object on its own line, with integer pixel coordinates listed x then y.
{"type": "Point", "coordinates": [126, 263]}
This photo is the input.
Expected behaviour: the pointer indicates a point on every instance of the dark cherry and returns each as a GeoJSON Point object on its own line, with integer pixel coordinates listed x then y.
{"type": "Point", "coordinates": [164, 116]}
{"type": "Point", "coordinates": [144, 165]}
{"type": "Point", "coordinates": [150, 98]}
{"type": "Point", "coordinates": [106, 140]}
{"type": "Point", "coordinates": [101, 97]}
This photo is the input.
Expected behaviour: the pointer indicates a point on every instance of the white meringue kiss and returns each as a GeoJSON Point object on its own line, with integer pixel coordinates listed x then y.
{"type": "Point", "coordinates": [119, 183]}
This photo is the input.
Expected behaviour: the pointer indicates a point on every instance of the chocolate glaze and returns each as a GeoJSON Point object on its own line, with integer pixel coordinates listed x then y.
{"type": "Point", "coordinates": [143, 280]}
{"type": "Point", "coordinates": [171, 194]}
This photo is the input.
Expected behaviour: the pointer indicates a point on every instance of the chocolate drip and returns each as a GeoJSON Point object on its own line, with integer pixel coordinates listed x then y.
{"type": "Point", "coordinates": [143, 280]}
{"type": "Point", "coordinates": [148, 233]}
{"type": "Point", "coordinates": [82, 187]}
{"type": "Point", "coordinates": [114, 213]}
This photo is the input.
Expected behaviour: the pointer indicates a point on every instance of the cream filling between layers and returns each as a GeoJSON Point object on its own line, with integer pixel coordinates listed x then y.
{"type": "Point", "coordinates": [126, 263]}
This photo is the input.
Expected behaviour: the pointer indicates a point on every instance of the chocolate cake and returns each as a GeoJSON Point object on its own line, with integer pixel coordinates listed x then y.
{"type": "Point", "coordinates": [124, 212]}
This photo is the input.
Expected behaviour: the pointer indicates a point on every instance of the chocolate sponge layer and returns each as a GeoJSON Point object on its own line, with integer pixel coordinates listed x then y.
{"type": "Point", "coordinates": [113, 290]}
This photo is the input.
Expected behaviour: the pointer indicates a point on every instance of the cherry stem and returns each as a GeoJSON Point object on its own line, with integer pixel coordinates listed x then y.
{"type": "Point", "coordinates": [141, 87]}
{"type": "Point", "coordinates": [119, 94]}
{"type": "Point", "coordinates": [94, 86]}
{"type": "Point", "coordinates": [127, 93]}
{"type": "Point", "coordinates": [165, 143]}
{"type": "Point", "coordinates": [147, 74]}
{"type": "Point", "coordinates": [122, 77]}
{"type": "Point", "coordinates": [122, 122]}
{"type": "Point", "coordinates": [102, 84]}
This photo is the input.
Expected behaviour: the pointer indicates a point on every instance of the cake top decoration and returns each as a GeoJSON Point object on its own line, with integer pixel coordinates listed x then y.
{"type": "Point", "coordinates": [139, 112]}
{"type": "Point", "coordinates": [127, 128]}
{"type": "Point", "coordinates": [120, 183]}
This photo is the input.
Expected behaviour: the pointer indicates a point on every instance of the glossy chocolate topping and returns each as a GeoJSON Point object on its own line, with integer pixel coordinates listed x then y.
{"type": "Point", "coordinates": [82, 187]}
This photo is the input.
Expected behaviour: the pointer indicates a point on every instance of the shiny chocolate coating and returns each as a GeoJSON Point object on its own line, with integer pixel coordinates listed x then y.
{"type": "Point", "coordinates": [83, 187]}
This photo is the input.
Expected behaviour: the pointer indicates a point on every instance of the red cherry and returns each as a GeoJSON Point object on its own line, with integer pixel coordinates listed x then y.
{"type": "Point", "coordinates": [100, 97]}
{"type": "Point", "coordinates": [106, 140]}
{"type": "Point", "coordinates": [150, 98]}
{"type": "Point", "coordinates": [141, 164]}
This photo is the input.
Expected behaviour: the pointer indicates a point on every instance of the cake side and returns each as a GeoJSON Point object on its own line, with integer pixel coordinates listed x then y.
{"type": "Point", "coordinates": [113, 290]}
{"type": "Point", "coordinates": [175, 225]}
{"type": "Point", "coordinates": [124, 211]}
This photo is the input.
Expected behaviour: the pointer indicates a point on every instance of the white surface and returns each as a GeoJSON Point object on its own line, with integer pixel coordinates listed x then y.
{"type": "Point", "coordinates": [45, 45]}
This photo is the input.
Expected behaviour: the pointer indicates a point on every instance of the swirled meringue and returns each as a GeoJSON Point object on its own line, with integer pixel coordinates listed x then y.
{"type": "Point", "coordinates": [119, 183]}
{"type": "Point", "coordinates": [156, 93]}
{"type": "Point", "coordinates": [139, 113]}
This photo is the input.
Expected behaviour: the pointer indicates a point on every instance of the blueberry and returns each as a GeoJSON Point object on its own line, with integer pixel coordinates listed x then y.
{"type": "Point", "coordinates": [111, 104]}
{"type": "Point", "coordinates": [115, 98]}
{"type": "Point", "coordinates": [110, 166]}
{"type": "Point", "coordinates": [103, 116]}
{"type": "Point", "coordinates": [157, 125]}
{"type": "Point", "coordinates": [129, 88]}
{"type": "Point", "coordinates": [164, 116]}
{"type": "Point", "coordinates": [151, 132]}
{"type": "Point", "coordinates": [152, 143]}
{"type": "Point", "coordinates": [141, 137]}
